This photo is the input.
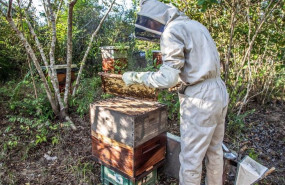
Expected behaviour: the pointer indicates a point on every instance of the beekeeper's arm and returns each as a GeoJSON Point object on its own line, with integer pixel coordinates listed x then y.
{"type": "Point", "coordinates": [172, 49]}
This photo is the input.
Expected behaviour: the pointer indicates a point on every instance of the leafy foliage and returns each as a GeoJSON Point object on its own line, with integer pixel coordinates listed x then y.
{"type": "Point", "coordinates": [171, 100]}
{"type": "Point", "coordinates": [87, 93]}
{"type": "Point", "coordinates": [258, 76]}
{"type": "Point", "coordinates": [24, 102]}
{"type": "Point", "coordinates": [236, 123]}
{"type": "Point", "coordinates": [11, 58]}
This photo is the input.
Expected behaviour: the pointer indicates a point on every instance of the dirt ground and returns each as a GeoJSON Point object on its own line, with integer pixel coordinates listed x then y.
{"type": "Point", "coordinates": [263, 139]}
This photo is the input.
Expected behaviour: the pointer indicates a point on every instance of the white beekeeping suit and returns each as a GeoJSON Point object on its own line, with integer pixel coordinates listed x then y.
{"type": "Point", "coordinates": [189, 52]}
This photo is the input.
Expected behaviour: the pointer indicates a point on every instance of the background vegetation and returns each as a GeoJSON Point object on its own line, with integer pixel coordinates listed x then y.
{"type": "Point", "coordinates": [249, 35]}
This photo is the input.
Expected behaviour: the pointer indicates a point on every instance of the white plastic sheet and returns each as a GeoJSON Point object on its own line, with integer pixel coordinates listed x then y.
{"type": "Point", "coordinates": [249, 171]}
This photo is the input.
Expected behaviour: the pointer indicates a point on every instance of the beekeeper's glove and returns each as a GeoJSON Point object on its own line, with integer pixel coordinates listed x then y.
{"type": "Point", "coordinates": [131, 77]}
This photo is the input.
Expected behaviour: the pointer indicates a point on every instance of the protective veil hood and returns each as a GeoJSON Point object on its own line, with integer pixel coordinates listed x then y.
{"type": "Point", "coordinates": [152, 19]}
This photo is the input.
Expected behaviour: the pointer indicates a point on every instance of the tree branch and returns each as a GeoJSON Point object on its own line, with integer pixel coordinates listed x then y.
{"type": "Point", "coordinates": [268, 12]}
{"type": "Point", "coordinates": [9, 9]}
{"type": "Point", "coordinates": [82, 63]}
{"type": "Point", "coordinates": [54, 75]}
{"type": "Point", "coordinates": [58, 11]}
{"type": "Point", "coordinates": [5, 4]}
{"type": "Point", "coordinates": [31, 52]}
{"type": "Point", "coordinates": [52, 58]}
{"type": "Point", "coordinates": [46, 12]}
{"type": "Point", "coordinates": [29, 5]}
{"type": "Point", "coordinates": [231, 42]}
{"type": "Point", "coordinates": [69, 51]}
{"type": "Point", "coordinates": [41, 50]}
{"type": "Point", "coordinates": [38, 44]}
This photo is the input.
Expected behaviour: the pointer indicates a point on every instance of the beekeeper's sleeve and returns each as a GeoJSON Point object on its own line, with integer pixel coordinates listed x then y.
{"type": "Point", "coordinates": [172, 49]}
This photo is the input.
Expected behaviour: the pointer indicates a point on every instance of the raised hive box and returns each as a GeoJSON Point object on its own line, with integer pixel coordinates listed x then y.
{"type": "Point", "coordinates": [111, 177]}
{"type": "Point", "coordinates": [157, 57]}
{"type": "Point", "coordinates": [61, 74]}
{"type": "Point", "coordinates": [127, 120]}
{"type": "Point", "coordinates": [114, 58]}
{"type": "Point", "coordinates": [132, 162]}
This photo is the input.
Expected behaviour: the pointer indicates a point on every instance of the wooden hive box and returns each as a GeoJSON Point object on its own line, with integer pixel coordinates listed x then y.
{"type": "Point", "coordinates": [128, 121]}
{"type": "Point", "coordinates": [131, 162]}
{"type": "Point", "coordinates": [129, 134]}
{"type": "Point", "coordinates": [114, 58]}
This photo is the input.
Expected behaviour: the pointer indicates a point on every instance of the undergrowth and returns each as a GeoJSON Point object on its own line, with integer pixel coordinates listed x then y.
{"type": "Point", "coordinates": [31, 119]}
{"type": "Point", "coordinates": [171, 100]}
{"type": "Point", "coordinates": [236, 123]}
{"type": "Point", "coordinates": [88, 92]}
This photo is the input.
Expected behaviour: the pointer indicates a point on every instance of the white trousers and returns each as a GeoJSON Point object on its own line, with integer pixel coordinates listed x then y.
{"type": "Point", "coordinates": [203, 109]}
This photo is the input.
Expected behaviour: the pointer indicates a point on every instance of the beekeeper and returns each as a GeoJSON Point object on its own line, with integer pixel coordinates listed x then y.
{"type": "Point", "coordinates": [189, 53]}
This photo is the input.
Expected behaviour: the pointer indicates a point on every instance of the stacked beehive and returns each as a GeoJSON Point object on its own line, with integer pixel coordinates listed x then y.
{"type": "Point", "coordinates": [128, 134]}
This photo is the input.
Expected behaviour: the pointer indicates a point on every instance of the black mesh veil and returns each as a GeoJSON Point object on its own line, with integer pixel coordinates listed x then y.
{"type": "Point", "coordinates": [145, 35]}
{"type": "Point", "coordinates": [148, 29]}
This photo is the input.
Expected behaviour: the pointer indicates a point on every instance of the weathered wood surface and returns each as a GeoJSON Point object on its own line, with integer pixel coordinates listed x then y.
{"type": "Point", "coordinates": [127, 120]}
{"type": "Point", "coordinates": [114, 58]}
{"type": "Point", "coordinates": [130, 161]}
{"type": "Point", "coordinates": [116, 156]}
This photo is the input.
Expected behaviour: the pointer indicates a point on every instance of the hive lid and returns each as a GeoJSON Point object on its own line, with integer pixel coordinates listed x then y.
{"type": "Point", "coordinates": [114, 47]}
{"type": "Point", "coordinates": [130, 106]}
{"type": "Point", "coordinates": [155, 51]}
{"type": "Point", "coordinates": [63, 66]}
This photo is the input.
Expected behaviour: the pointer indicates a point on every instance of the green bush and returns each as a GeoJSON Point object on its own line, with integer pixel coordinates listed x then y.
{"type": "Point", "coordinates": [172, 101]}
{"type": "Point", "coordinates": [87, 93]}
{"type": "Point", "coordinates": [236, 124]}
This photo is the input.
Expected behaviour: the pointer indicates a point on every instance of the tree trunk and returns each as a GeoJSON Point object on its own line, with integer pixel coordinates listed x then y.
{"type": "Point", "coordinates": [63, 110]}
{"type": "Point", "coordinates": [267, 13]}
{"type": "Point", "coordinates": [58, 11]}
{"type": "Point", "coordinates": [52, 60]}
{"type": "Point", "coordinates": [226, 70]}
{"type": "Point", "coordinates": [40, 48]}
{"type": "Point", "coordinates": [82, 63]}
{"type": "Point", "coordinates": [31, 53]}
{"type": "Point", "coordinates": [46, 12]}
{"type": "Point", "coordinates": [32, 75]}
{"type": "Point", "coordinates": [69, 52]}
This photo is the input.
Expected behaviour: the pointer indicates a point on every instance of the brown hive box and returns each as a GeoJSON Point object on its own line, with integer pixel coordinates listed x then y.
{"type": "Point", "coordinates": [128, 134]}
{"type": "Point", "coordinates": [132, 162]}
{"type": "Point", "coordinates": [114, 58]}
{"type": "Point", "coordinates": [156, 57]}
{"type": "Point", "coordinates": [127, 120]}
